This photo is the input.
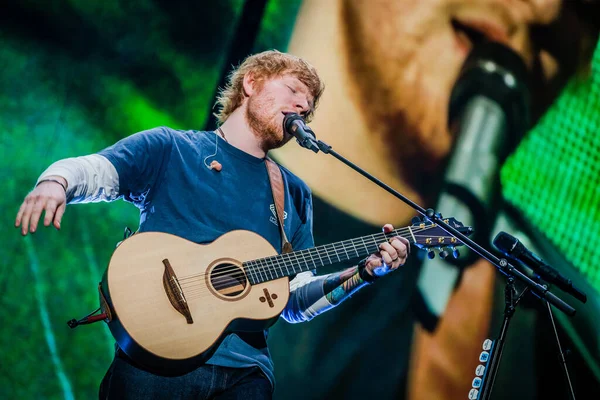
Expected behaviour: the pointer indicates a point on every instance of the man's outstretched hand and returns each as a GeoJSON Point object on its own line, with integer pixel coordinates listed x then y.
{"type": "Point", "coordinates": [48, 197]}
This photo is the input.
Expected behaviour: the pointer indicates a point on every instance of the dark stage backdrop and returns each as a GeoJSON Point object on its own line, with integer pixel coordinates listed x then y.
{"type": "Point", "coordinates": [76, 76]}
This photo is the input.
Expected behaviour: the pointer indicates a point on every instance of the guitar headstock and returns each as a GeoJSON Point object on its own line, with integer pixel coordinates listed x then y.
{"type": "Point", "coordinates": [429, 236]}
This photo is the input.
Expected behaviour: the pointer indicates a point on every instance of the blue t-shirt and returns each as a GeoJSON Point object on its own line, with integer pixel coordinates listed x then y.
{"type": "Point", "coordinates": [163, 172]}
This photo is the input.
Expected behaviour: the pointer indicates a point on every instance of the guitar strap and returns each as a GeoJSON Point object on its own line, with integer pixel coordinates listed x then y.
{"type": "Point", "coordinates": [277, 187]}
{"type": "Point", "coordinates": [258, 340]}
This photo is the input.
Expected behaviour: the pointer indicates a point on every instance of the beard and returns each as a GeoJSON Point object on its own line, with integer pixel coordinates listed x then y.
{"type": "Point", "coordinates": [260, 116]}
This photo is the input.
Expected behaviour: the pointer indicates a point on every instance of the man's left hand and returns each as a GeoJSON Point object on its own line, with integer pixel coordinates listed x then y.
{"type": "Point", "coordinates": [391, 255]}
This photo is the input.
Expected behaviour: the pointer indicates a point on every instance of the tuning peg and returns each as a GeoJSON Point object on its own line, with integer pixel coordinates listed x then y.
{"type": "Point", "coordinates": [416, 220]}
{"type": "Point", "coordinates": [444, 253]}
{"type": "Point", "coordinates": [455, 252]}
{"type": "Point", "coordinates": [431, 254]}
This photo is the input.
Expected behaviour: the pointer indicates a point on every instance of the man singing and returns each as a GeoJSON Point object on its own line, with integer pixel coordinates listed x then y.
{"type": "Point", "coordinates": [200, 185]}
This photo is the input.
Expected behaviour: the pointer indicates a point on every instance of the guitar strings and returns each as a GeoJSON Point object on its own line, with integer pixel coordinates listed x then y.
{"type": "Point", "coordinates": [222, 279]}
{"type": "Point", "coordinates": [332, 251]}
{"type": "Point", "coordinates": [198, 291]}
{"type": "Point", "coordinates": [259, 268]}
{"type": "Point", "coordinates": [255, 270]}
{"type": "Point", "coordinates": [227, 281]}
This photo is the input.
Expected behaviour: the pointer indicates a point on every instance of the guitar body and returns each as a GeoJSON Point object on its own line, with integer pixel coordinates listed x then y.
{"type": "Point", "coordinates": [171, 301]}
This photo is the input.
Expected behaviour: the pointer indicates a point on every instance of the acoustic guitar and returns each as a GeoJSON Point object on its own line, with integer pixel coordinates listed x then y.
{"type": "Point", "coordinates": [169, 302]}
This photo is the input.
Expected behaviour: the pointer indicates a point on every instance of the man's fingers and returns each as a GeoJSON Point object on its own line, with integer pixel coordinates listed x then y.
{"type": "Point", "coordinates": [20, 214]}
{"type": "Point", "coordinates": [387, 228]}
{"type": "Point", "coordinates": [36, 213]}
{"type": "Point", "coordinates": [406, 243]}
{"type": "Point", "coordinates": [50, 210]}
{"type": "Point", "coordinates": [400, 246]}
{"type": "Point", "coordinates": [403, 249]}
{"type": "Point", "coordinates": [26, 216]}
{"type": "Point", "coordinates": [45, 198]}
{"type": "Point", "coordinates": [392, 254]}
{"type": "Point", "coordinates": [374, 262]}
{"type": "Point", "coordinates": [387, 258]}
{"type": "Point", "coordinates": [390, 250]}
{"type": "Point", "coordinates": [397, 250]}
{"type": "Point", "coordinates": [59, 214]}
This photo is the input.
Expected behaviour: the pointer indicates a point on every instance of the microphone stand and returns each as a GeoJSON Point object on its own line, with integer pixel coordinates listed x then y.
{"type": "Point", "coordinates": [510, 304]}
{"type": "Point", "coordinates": [503, 266]}
{"type": "Point", "coordinates": [563, 361]}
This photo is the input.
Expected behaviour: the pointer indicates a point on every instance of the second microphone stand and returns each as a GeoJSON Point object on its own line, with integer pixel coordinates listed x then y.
{"type": "Point", "coordinates": [511, 300]}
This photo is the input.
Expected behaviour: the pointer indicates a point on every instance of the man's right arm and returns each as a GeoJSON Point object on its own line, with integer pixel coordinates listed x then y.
{"type": "Point", "coordinates": [84, 179]}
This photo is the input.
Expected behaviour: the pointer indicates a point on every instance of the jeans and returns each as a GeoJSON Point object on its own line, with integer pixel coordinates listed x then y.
{"type": "Point", "coordinates": [124, 381]}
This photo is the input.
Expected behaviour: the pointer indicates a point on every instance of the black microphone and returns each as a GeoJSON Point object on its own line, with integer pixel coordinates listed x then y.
{"type": "Point", "coordinates": [294, 125]}
{"type": "Point", "coordinates": [513, 248]}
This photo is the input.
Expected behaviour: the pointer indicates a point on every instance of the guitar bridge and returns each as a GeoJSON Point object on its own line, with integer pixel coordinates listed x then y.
{"type": "Point", "coordinates": [175, 293]}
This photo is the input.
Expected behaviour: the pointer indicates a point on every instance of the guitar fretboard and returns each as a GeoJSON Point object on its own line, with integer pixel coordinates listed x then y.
{"type": "Point", "coordinates": [279, 266]}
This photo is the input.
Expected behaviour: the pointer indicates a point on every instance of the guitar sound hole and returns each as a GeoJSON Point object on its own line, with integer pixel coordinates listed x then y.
{"type": "Point", "coordinates": [228, 279]}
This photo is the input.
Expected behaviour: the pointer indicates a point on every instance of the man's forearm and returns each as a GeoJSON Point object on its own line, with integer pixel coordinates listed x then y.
{"type": "Point", "coordinates": [89, 178]}
{"type": "Point", "coordinates": [313, 295]}
{"type": "Point", "coordinates": [340, 286]}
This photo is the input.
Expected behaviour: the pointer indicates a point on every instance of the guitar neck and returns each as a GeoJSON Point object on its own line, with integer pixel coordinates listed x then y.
{"type": "Point", "coordinates": [282, 265]}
